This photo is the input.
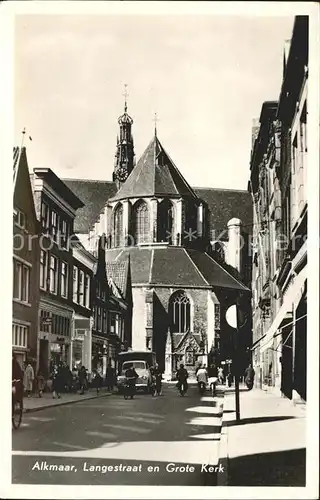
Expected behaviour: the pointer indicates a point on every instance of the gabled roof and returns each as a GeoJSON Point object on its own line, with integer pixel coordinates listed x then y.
{"type": "Point", "coordinates": [94, 194]}
{"type": "Point", "coordinates": [174, 266]}
{"type": "Point", "coordinates": [118, 273]}
{"type": "Point", "coordinates": [154, 175]}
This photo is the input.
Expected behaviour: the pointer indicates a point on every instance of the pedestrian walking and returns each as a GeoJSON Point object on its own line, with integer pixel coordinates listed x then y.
{"type": "Point", "coordinates": [97, 381]}
{"type": "Point", "coordinates": [220, 375]}
{"type": "Point", "coordinates": [40, 383]}
{"type": "Point", "coordinates": [202, 378]}
{"type": "Point", "coordinates": [182, 376]}
{"type": "Point", "coordinates": [157, 380]}
{"type": "Point", "coordinates": [56, 381]}
{"type": "Point", "coordinates": [110, 377]}
{"type": "Point", "coordinates": [28, 378]}
{"type": "Point", "coordinates": [229, 379]}
{"type": "Point", "coordinates": [249, 377]}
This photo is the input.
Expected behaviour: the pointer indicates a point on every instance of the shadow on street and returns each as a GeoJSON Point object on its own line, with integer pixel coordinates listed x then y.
{"type": "Point", "coordinates": [283, 468]}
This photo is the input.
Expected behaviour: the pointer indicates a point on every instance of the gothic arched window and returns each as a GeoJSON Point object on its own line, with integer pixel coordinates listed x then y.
{"type": "Point", "coordinates": [141, 223]}
{"type": "Point", "coordinates": [165, 221]}
{"type": "Point", "coordinates": [190, 222]}
{"type": "Point", "coordinates": [179, 313]}
{"type": "Point", "coordinates": [118, 226]}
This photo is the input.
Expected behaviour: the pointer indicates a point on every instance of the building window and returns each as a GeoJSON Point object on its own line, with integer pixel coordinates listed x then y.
{"type": "Point", "coordinates": [19, 335]}
{"type": "Point", "coordinates": [20, 218]}
{"type": "Point", "coordinates": [45, 216]}
{"type": "Point", "coordinates": [112, 323]}
{"type": "Point", "coordinates": [87, 291]}
{"type": "Point", "coordinates": [54, 225]}
{"type": "Point", "coordinates": [64, 279]}
{"type": "Point", "coordinates": [141, 223]}
{"type": "Point", "coordinates": [118, 226]}
{"type": "Point", "coordinates": [53, 275]}
{"type": "Point", "coordinates": [81, 288]}
{"type": "Point", "coordinates": [43, 269]}
{"type": "Point", "coordinates": [104, 320]}
{"type": "Point", "coordinates": [63, 233]}
{"type": "Point", "coordinates": [179, 313]}
{"type": "Point", "coordinates": [99, 319]}
{"type": "Point", "coordinates": [75, 284]}
{"type": "Point", "coordinates": [21, 281]}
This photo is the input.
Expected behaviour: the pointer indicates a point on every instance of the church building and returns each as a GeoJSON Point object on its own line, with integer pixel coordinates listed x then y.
{"type": "Point", "coordinates": [187, 248]}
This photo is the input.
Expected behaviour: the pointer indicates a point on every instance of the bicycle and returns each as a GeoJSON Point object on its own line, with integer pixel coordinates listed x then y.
{"type": "Point", "coordinates": [17, 406]}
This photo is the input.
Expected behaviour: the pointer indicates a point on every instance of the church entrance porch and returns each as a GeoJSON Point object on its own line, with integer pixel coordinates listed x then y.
{"type": "Point", "coordinates": [186, 349]}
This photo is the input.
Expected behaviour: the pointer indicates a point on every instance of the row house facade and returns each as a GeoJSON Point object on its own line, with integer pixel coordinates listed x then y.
{"type": "Point", "coordinates": [278, 184]}
{"type": "Point", "coordinates": [56, 207]}
{"type": "Point", "coordinates": [82, 317]}
{"type": "Point", "coordinates": [25, 296]}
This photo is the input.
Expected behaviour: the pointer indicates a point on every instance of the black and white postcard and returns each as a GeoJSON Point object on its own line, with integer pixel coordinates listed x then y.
{"type": "Point", "coordinates": [161, 162]}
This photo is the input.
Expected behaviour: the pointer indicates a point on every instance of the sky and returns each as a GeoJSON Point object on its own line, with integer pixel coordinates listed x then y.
{"type": "Point", "coordinates": [205, 76]}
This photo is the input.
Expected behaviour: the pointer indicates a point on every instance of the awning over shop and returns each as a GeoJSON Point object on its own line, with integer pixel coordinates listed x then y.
{"type": "Point", "coordinates": [286, 310]}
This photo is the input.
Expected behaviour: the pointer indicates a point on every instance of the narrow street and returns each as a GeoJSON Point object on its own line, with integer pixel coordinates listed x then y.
{"type": "Point", "coordinates": [109, 431]}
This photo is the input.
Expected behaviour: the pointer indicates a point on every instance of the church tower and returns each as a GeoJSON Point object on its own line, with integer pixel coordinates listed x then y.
{"type": "Point", "coordinates": [124, 157]}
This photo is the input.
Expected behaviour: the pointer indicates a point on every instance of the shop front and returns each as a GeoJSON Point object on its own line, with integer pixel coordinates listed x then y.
{"type": "Point", "coordinates": [54, 337]}
{"type": "Point", "coordinates": [100, 352]}
{"type": "Point", "coordinates": [81, 343]}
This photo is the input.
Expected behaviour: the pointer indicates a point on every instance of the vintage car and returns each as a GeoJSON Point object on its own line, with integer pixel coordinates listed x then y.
{"type": "Point", "coordinates": [144, 380]}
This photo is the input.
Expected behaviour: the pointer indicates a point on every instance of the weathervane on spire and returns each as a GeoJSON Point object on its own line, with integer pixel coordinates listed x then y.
{"type": "Point", "coordinates": [156, 119]}
{"type": "Point", "coordinates": [125, 97]}
{"type": "Point", "coordinates": [23, 133]}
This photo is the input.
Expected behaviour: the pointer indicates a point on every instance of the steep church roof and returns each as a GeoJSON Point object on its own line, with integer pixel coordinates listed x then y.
{"type": "Point", "coordinates": [164, 266]}
{"type": "Point", "coordinates": [223, 204]}
{"type": "Point", "coordinates": [154, 175]}
{"type": "Point", "coordinates": [94, 194]}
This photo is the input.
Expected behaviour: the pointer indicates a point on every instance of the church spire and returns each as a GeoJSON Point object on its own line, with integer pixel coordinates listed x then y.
{"type": "Point", "coordinates": [124, 158]}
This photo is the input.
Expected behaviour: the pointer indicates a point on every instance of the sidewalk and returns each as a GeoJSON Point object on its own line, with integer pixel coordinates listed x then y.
{"type": "Point", "coordinates": [268, 446]}
{"type": "Point", "coordinates": [34, 403]}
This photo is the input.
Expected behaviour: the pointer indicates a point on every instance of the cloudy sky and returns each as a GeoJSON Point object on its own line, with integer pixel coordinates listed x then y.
{"type": "Point", "coordinates": [205, 76]}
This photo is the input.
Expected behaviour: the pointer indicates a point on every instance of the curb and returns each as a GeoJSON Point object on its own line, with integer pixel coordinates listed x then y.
{"type": "Point", "coordinates": [223, 479]}
{"type": "Point", "coordinates": [63, 403]}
